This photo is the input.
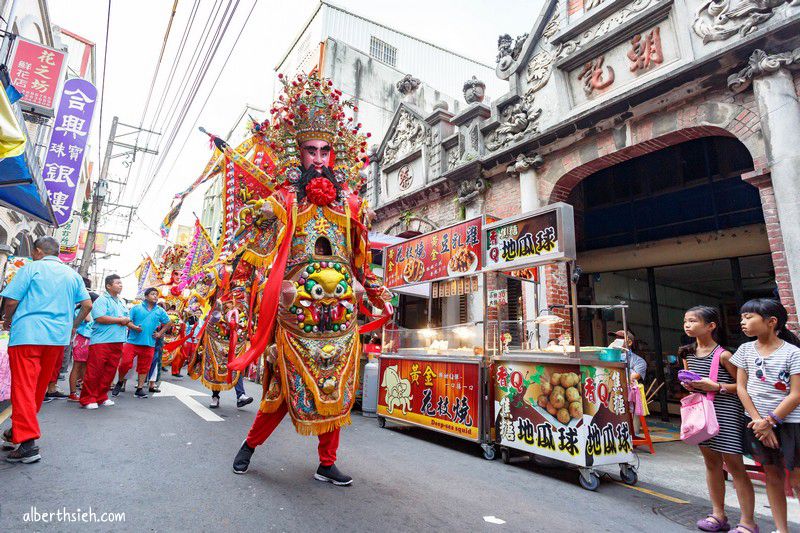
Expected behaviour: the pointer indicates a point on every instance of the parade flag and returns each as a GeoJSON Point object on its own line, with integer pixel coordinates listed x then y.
{"type": "Point", "coordinates": [147, 275]}
{"type": "Point", "coordinates": [201, 253]}
{"type": "Point", "coordinates": [65, 152]}
{"type": "Point", "coordinates": [12, 138]}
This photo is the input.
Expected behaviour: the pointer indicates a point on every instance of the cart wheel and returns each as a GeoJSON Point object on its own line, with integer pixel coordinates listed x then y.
{"type": "Point", "coordinates": [488, 452]}
{"type": "Point", "coordinates": [628, 475]}
{"type": "Point", "coordinates": [589, 482]}
{"type": "Point", "coordinates": [381, 422]}
{"type": "Point", "coordinates": [505, 455]}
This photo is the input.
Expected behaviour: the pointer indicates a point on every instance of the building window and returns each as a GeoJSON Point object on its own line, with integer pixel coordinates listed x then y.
{"type": "Point", "coordinates": [382, 51]}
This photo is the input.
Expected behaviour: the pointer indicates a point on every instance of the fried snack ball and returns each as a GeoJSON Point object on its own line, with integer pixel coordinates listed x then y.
{"type": "Point", "coordinates": [550, 409]}
{"type": "Point", "coordinates": [542, 401]}
{"type": "Point", "coordinates": [557, 400]}
{"type": "Point", "coordinates": [555, 379]}
{"type": "Point", "coordinates": [573, 395]}
{"type": "Point", "coordinates": [565, 380]}
{"type": "Point", "coordinates": [575, 410]}
{"type": "Point", "coordinates": [558, 389]}
{"type": "Point", "coordinates": [563, 416]}
{"type": "Point", "coordinates": [547, 388]}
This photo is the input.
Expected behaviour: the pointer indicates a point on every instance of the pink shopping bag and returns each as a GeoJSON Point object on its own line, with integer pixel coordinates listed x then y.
{"type": "Point", "coordinates": [698, 417]}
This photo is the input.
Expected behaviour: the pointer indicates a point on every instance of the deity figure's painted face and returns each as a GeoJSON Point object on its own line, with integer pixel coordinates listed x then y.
{"type": "Point", "coordinates": [315, 153]}
{"type": "Point", "coordinates": [175, 278]}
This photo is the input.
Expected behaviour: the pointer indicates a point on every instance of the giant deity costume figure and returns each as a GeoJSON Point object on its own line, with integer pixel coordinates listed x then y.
{"type": "Point", "coordinates": [303, 216]}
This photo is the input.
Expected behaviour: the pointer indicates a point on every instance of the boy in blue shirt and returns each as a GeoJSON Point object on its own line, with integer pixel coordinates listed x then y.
{"type": "Point", "coordinates": [151, 322]}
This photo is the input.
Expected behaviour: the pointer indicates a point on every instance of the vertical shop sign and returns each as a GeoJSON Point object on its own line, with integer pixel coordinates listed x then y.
{"type": "Point", "coordinates": [65, 152]}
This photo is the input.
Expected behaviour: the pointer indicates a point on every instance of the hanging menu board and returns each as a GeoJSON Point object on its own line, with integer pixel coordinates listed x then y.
{"type": "Point", "coordinates": [539, 237]}
{"type": "Point", "coordinates": [451, 252]}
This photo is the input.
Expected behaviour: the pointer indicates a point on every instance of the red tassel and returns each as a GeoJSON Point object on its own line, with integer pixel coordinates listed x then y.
{"type": "Point", "coordinates": [269, 299]}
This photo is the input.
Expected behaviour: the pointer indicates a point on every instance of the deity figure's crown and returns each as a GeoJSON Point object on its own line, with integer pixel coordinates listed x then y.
{"type": "Point", "coordinates": [310, 108]}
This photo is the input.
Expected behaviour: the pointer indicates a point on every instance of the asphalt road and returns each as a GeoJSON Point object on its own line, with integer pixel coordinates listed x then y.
{"type": "Point", "coordinates": [167, 469]}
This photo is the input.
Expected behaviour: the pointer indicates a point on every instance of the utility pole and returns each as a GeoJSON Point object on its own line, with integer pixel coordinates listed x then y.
{"type": "Point", "coordinates": [101, 190]}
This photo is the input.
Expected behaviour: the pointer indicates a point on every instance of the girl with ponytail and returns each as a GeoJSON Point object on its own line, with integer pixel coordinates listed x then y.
{"type": "Point", "coordinates": [702, 323]}
{"type": "Point", "coordinates": [768, 380]}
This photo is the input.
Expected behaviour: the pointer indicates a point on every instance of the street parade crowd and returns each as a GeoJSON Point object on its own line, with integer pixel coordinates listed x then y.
{"type": "Point", "coordinates": [286, 285]}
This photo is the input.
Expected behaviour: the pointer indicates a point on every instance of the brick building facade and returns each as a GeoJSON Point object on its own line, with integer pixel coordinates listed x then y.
{"type": "Point", "coordinates": [668, 129]}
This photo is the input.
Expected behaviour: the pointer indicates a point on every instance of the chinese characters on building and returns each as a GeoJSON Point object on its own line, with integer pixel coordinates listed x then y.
{"type": "Point", "coordinates": [36, 72]}
{"type": "Point", "coordinates": [65, 152]}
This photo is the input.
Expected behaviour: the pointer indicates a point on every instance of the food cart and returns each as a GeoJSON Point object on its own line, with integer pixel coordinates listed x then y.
{"type": "Point", "coordinates": [566, 402]}
{"type": "Point", "coordinates": [437, 377]}
{"type": "Point", "coordinates": [487, 379]}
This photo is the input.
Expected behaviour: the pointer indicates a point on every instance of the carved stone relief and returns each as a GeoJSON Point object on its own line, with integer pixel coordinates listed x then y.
{"type": "Point", "coordinates": [761, 63]}
{"type": "Point", "coordinates": [539, 70]}
{"type": "Point", "coordinates": [432, 142]}
{"type": "Point", "coordinates": [408, 136]}
{"type": "Point", "coordinates": [589, 4]}
{"type": "Point", "coordinates": [469, 190]}
{"type": "Point", "coordinates": [452, 158]}
{"type": "Point", "coordinates": [518, 120]}
{"type": "Point", "coordinates": [408, 85]}
{"type": "Point", "coordinates": [525, 162]}
{"type": "Point", "coordinates": [552, 26]}
{"type": "Point", "coordinates": [718, 20]}
{"type": "Point", "coordinates": [614, 21]}
{"type": "Point", "coordinates": [508, 49]}
{"type": "Point", "coordinates": [474, 90]}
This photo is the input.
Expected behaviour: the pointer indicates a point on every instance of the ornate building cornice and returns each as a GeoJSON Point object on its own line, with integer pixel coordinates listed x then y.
{"type": "Point", "coordinates": [761, 63]}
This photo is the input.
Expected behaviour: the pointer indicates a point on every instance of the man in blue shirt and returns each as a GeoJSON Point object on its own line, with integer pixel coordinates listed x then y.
{"type": "Point", "coordinates": [39, 312]}
{"type": "Point", "coordinates": [151, 322]}
{"type": "Point", "coordinates": [109, 333]}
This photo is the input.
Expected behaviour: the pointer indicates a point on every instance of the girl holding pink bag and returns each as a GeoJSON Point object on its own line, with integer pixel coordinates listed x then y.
{"type": "Point", "coordinates": [713, 379]}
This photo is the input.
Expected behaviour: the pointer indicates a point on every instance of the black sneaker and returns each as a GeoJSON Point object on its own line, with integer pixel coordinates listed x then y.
{"type": "Point", "coordinates": [242, 460]}
{"type": "Point", "coordinates": [178, 375]}
{"type": "Point", "coordinates": [57, 395]}
{"type": "Point", "coordinates": [243, 400]}
{"type": "Point", "coordinates": [117, 389]}
{"type": "Point", "coordinates": [140, 393]}
{"type": "Point", "coordinates": [331, 474]}
{"type": "Point", "coordinates": [27, 453]}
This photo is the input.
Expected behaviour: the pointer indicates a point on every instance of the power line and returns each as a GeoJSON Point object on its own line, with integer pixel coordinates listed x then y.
{"type": "Point", "coordinates": [211, 53]}
{"type": "Point", "coordinates": [163, 97]}
{"type": "Point", "coordinates": [103, 90]}
{"type": "Point", "coordinates": [193, 62]}
{"type": "Point", "coordinates": [208, 96]}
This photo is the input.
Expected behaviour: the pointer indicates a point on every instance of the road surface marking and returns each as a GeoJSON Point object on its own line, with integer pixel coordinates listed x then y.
{"type": "Point", "coordinates": [493, 520]}
{"type": "Point", "coordinates": [653, 493]}
{"type": "Point", "coordinates": [5, 414]}
{"type": "Point", "coordinates": [184, 395]}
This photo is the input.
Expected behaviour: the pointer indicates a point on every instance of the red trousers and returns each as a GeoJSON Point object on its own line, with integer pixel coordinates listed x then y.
{"type": "Point", "coordinates": [31, 370]}
{"type": "Point", "coordinates": [181, 355]}
{"type": "Point", "coordinates": [265, 424]}
{"type": "Point", "coordinates": [100, 370]}
{"type": "Point", "coordinates": [57, 368]}
{"type": "Point", "coordinates": [143, 355]}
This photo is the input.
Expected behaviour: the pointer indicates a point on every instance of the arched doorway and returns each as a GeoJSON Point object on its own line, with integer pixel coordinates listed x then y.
{"type": "Point", "coordinates": [665, 231]}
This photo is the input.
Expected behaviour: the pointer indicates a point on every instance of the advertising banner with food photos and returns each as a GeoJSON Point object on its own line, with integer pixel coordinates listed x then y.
{"type": "Point", "coordinates": [440, 395]}
{"type": "Point", "coordinates": [574, 413]}
{"type": "Point", "coordinates": [446, 253]}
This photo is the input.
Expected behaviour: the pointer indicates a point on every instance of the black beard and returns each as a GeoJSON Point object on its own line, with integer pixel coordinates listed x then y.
{"type": "Point", "coordinates": [309, 174]}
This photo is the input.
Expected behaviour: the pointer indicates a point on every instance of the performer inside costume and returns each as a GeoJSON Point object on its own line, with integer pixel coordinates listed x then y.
{"type": "Point", "coordinates": [318, 269]}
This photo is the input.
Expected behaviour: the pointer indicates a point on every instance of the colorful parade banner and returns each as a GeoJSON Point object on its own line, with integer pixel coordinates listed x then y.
{"type": "Point", "coordinates": [442, 395]}
{"type": "Point", "coordinates": [147, 275]}
{"type": "Point", "coordinates": [201, 253]}
{"type": "Point", "coordinates": [65, 153]}
{"type": "Point", "coordinates": [450, 252]}
{"type": "Point", "coordinates": [37, 71]}
{"type": "Point", "coordinates": [67, 236]}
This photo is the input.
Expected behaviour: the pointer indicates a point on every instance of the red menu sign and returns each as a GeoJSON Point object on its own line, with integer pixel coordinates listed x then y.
{"type": "Point", "coordinates": [450, 252]}
{"type": "Point", "coordinates": [437, 394]}
{"type": "Point", "coordinates": [36, 71]}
